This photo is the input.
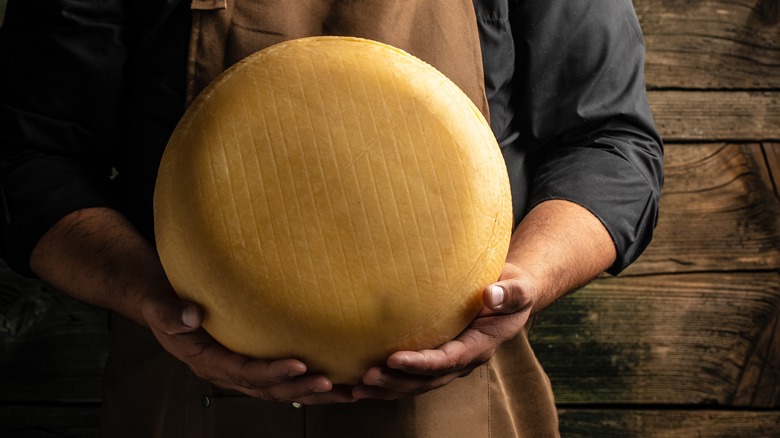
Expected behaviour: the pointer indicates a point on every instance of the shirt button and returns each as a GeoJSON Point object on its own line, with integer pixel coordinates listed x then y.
{"type": "Point", "coordinates": [297, 405]}
{"type": "Point", "coordinates": [205, 401]}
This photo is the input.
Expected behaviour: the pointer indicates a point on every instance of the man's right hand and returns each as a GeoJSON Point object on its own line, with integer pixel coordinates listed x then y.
{"type": "Point", "coordinates": [177, 326]}
{"type": "Point", "coordinates": [98, 257]}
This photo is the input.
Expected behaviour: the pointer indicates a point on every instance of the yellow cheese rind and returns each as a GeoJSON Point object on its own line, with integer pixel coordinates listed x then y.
{"type": "Point", "coordinates": [333, 199]}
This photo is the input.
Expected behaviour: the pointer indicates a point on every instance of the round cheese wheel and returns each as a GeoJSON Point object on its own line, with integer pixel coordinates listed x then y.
{"type": "Point", "coordinates": [336, 200]}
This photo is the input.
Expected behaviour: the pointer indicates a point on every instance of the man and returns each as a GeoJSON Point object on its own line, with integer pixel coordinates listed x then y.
{"type": "Point", "coordinates": [90, 91]}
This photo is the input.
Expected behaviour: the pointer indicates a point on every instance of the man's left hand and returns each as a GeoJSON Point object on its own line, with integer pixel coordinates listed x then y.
{"type": "Point", "coordinates": [508, 305]}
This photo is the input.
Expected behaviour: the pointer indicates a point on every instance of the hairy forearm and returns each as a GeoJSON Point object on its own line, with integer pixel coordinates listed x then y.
{"type": "Point", "coordinates": [562, 246]}
{"type": "Point", "coordinates": [97, 256]}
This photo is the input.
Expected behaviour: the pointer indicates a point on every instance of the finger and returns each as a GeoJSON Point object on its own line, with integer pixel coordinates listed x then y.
{"type": "Point", "coordinates": [450, 357]}
{"type": "Point", "coordinates": [280, 380]}
{"type": "Point", "coordinates": [172, 316]}
{"type": "Point", "coordinates": [303, 388]}
{"type": "Point", "coordinates": [260, 373]}
{"type": "Point", "coordinates": [388, 384]}
{"type": "Point", "coordinates": [217, 363]}
{"type": "Point", "coordinates": [363, 392]}
{"type": "Point", "coordinates": [460, 356]}
{"type": "Point", "coordinates": [508, 296]}
{"type": "Point", "coordinates": [339, 394]}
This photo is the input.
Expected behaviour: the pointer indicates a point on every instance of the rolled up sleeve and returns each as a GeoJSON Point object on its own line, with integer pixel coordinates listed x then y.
{"type": "Point", "coordinates": [583, 115]}
{"type": "Point", "coordinates": [60, 89]}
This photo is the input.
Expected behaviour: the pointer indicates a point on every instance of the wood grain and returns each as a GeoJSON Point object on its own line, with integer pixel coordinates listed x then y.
{"type": "Point", "coordinates": [662, 339]}
{"type": "Point", "coordinates": [760, 382]}
{"type": "Point", "coordinates": [760, 156]}
{"type": "Point", "coordinates": [738, 116]}
{"type": "Point", "coordinates": [711, 44]}
{"type": "Point", "coordinates": [717, 213]}
{"type": "Point", "coordinates": [668, 423]}
{"type": "Point", "coordinates": [772, 154]}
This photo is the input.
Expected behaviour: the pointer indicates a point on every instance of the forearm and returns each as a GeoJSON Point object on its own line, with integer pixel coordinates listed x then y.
{"type": "Point", "coordinates": [561, 246]}
{"type": "Point", "coordinates": [584, 116]}
{"type": "Point", "coordinates": [97, 256]}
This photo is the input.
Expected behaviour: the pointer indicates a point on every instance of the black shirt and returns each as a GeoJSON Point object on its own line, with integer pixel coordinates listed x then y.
{"type": "Point", "coordinates": [90, 92]}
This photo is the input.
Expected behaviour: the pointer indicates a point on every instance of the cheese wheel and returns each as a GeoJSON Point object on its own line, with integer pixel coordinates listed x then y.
{"type": "Point", "coordinates": [333, 199]}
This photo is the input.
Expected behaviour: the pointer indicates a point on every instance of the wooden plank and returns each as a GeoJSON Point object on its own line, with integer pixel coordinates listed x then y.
{"type": "Point", "coordinates": [715, 116]}
{"type": "Point", "coordinates": [760, 382]}
{"type": "Point", "coordinates": [717, 213]}
{"type": "Point", "coordinates": [664, 339]}
{"type": "Point", "coordinates": [668, 423]}
{"type": "Point", "coordinates": [50, 421]}
{"type": "Point", "coordinates": [772, 154]}
{"type": "Point", "coordinates": [52, 347]}
{"type": "Point", "coordinates": [711, 44]}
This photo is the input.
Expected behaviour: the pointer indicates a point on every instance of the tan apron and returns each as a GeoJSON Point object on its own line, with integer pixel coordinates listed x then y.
{"type": "Point", "coordinates": [150, 394]}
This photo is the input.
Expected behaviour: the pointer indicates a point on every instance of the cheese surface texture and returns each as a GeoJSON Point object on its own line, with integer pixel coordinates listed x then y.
{"type": "Point", "coordinates": [335, 200]}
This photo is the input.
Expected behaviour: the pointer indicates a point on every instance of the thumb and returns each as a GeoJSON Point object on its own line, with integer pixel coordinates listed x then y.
{"type": "Point", "coordinates": [507, 296]}
{"type": "Point", "coordinates": [171, 315]}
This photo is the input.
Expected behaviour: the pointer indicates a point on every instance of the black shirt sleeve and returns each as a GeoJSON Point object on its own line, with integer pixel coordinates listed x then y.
{"type": "Point", "coordinates": [60, 88]}
{"type": "Point", "coordinates": [582, 114]}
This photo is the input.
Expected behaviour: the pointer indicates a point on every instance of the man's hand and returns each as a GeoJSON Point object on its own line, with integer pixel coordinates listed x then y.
{"type": "Point", "coordinates": [508, 305]}
{"type": "Point", "coordinates": [98, 257]}
{"type": "Point", "coordinates": [558, 247]}
{"type": "Point", "coordinates": [177, 326]}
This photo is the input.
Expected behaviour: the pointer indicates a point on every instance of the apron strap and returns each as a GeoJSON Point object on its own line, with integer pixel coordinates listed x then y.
{"type": "Point", "coordinates": [442, 33]}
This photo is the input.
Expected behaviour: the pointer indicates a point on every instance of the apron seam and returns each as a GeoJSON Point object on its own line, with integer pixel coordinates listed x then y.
{"type": "Point", "coordinates": [488, 370]}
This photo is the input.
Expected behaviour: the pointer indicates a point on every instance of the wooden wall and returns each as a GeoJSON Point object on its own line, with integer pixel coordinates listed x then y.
{"type": "Point", "coordinates": [684, 343]}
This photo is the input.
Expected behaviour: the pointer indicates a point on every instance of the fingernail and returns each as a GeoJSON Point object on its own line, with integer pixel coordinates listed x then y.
{"type": "Point", "coordinates": [322, 387]}
{"type": "Point", "coordinates": [189, 316]}
{"type": "Point", "coordinates": [296, 372]}
{"type": "Point", "coordinates": [359, 394]}
{"type": "Point", "coordinates": [497, 294]}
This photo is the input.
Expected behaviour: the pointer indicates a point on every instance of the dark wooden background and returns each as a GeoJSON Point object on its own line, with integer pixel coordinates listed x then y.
{"type": "Point", "coordinates": [683, 344]}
